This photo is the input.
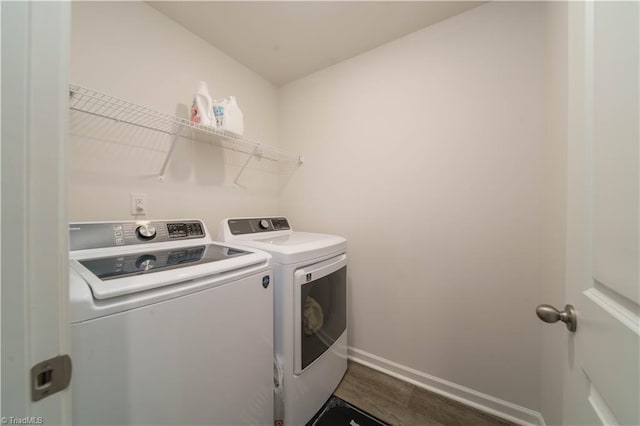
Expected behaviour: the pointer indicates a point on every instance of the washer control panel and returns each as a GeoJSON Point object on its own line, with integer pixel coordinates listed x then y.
{"type": "Point", "coordinates": [256, 225]}
{"type": "Point", "coordinates": [84, 236]}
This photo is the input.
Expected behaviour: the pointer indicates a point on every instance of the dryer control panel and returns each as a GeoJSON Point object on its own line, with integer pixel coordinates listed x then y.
{"type": "Point", "coordinates": [84, 236]}
{"type": "Point", "coordinates": [256, 225]}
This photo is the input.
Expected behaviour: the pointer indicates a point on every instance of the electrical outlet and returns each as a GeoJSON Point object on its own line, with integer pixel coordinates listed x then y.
{"type": "Point", "coordinates": [139, 204]}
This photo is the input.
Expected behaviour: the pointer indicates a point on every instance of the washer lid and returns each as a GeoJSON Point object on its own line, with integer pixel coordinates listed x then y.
{"type": "Point", "coordinates": [134, 271]}
{"type": "Point", "coordinates": [125, 265]}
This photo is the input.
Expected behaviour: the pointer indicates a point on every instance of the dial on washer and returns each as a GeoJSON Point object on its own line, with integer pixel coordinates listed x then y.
{"type": "Point", "coordinates": [145, 262]}
{"type": "Point", "coordinates": [146, 232]}
{"type": "Point", "coordinates": [264, 224]}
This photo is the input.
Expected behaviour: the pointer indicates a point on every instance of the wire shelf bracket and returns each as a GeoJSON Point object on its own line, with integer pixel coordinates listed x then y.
{"type": "Point", "coordinates": [174, 140]}
{"type": "Point", "coordinates": [256, 151]}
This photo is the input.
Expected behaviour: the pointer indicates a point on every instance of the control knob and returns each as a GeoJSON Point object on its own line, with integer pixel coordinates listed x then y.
{"type": "Point", "coordinates": [146, 232]}
{"type": "Point", "coordinates": [264, 224]}
{"type": "Point", "coordinates": [145, 262]}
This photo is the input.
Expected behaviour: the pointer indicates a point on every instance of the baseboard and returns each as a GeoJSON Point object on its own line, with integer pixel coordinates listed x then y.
{"type": "Point", "coordinates": [487, 403]}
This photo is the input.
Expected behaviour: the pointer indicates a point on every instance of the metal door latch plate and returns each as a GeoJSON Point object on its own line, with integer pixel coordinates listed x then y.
{"type": "Point", "coordinates": [50, 376]}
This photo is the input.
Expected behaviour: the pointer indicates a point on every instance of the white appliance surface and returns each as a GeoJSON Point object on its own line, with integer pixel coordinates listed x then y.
{"type": "Point", "coordinates": [298, 246]}
{"type": "Point", "coordinates": [285, 245]}
{"type": "Point", "coordinates": [194, 345]}
{"type": "Point", "coordinates": [302, 392]}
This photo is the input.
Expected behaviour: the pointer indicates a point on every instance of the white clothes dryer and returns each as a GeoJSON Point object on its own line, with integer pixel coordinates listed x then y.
{"type": "Point", "coordinates": [168, 327]}
{"type": "Point", "coordinates": [310, 310]}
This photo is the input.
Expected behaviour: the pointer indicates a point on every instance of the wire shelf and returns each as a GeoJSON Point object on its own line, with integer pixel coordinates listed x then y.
{"type": "Point", "coordinates": [99, 104]}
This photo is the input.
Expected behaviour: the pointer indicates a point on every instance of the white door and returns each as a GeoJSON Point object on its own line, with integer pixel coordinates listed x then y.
{"type": "Point", "coordinates": [35, 328]}
{"type": "Point", "coordinates": [602, 372]}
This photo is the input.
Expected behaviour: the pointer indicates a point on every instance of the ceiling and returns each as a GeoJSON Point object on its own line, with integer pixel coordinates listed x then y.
{"type": "Point", "coordinates": [287, 40]}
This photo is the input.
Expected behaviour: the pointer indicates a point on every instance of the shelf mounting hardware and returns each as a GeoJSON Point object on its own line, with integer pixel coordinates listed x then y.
{"type": "Point", "coordinates": [256, 151]}
{"type": "Point", "coordinates": [174, 140]}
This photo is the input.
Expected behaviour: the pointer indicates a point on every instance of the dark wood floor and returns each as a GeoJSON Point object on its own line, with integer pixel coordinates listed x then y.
{"type": "Point", "coordinates": [403, 404]}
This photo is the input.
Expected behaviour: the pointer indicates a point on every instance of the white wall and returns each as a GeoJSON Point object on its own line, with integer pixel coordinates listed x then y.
{"type": "Point", "coordinates": [129, 50]}
{"type": "Point", "coordinates": [554, 336]}
{"type": "Point", "coordinates": [428, 154]}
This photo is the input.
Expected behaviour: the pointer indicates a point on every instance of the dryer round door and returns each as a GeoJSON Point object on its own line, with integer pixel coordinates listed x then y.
{"type": "Point", "coordinates": [320, 293]}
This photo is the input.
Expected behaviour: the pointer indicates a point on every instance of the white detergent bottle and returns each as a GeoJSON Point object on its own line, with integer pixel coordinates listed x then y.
{"type": "Point", "coordinates": [202, 107]}
{"type": "Point", "coordinates": [233, 120]}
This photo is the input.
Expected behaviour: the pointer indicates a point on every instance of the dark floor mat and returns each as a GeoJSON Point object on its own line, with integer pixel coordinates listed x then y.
{"type": "Point", "coordinates": [337, 412]}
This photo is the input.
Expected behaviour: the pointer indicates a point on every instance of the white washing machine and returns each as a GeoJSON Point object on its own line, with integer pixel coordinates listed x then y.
{"type": "Point", "coordinates": [310, 310]}
{"type": "Point", "coordinates": [168, 327]}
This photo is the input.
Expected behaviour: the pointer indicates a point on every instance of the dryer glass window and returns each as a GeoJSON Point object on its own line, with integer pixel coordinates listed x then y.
{"type": "Point", "coordinates": [323, 305]}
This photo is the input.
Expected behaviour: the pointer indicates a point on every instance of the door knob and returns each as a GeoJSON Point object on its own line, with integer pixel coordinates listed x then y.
{"type": "Point", "coordinates": [548, 313]}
